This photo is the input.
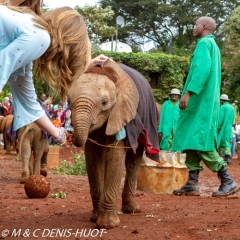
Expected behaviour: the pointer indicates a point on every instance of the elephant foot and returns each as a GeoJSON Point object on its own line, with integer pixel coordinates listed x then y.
{"type": "Point", "coordinates": [43, 171]}
{"type": "Point", "coordinates": [94, 216]}
{"type": "Point", "coordinates": [23, 179]}
{"type": "Point", "coordinates": [107, 221]}
{"type": "Point", "coordinates": [131, 209]}
{"type": "Point", "coordinates": [130, 206]}
{"type": "Point", "coordinates": [25, 176]}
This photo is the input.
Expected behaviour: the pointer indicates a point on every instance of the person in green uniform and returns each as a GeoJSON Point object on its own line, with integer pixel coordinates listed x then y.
{"type": "Point", "coordinates": [168, 120]}
{"type": "Point", "coordinates": [196, 131]}
{"type": "Point", "coordinates": [235, 107]}
{"type": "Point", "coordinates": [225, 122]}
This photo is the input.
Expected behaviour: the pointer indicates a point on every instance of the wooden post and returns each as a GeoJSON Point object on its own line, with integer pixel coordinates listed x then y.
{"type": "Point", "coordinates": [53, 157]}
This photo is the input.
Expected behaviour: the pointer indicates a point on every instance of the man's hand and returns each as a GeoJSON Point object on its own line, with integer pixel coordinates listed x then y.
{"type": "Point", "coordinates": [159, 137]}
{"type": "Point", "coordinates": [184, 100]}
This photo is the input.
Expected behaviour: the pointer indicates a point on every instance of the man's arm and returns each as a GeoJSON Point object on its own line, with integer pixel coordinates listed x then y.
{"type": "Point", "coordinates": [201, 67]}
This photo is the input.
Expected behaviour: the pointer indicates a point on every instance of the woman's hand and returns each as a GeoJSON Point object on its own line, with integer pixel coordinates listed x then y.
{"type": "Point", "coordinates": [98, 59]}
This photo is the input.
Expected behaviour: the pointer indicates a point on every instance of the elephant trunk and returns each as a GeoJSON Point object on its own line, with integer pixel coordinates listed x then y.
{"type": "Point", "coordinates": [82, 120]}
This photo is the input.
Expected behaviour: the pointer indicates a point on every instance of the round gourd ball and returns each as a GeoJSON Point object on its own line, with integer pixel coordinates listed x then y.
{"type": "Point", "coordinates": [37, 186]}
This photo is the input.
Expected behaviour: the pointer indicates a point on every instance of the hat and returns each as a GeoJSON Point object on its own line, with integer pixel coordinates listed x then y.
{"type": "Point", "coordinates": [175, 91]}
{"type": "Point", "coordinates": [224, 97]}
{"type": "Point", "coordinates": [236, 101]}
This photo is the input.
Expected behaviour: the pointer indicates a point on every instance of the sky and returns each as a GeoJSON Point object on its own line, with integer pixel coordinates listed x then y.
{"type": "Point", "coordinates": [70, 3]}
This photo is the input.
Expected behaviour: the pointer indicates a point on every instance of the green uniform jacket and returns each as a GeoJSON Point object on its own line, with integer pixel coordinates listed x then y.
{"type": "Point", "coordinates": [197, 124]}
{"type": "Point", "coordinates": [225, 122]}
{"type": "Point", "coordinates": [168, 120]}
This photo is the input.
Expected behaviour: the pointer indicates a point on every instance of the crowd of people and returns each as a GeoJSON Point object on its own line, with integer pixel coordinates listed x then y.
{"type": "Point", "coordinates": [60, 117]}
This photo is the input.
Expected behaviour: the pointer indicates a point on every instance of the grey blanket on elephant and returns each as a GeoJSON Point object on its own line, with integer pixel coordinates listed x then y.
{"type": "Point", "coordinates": [143, 128]}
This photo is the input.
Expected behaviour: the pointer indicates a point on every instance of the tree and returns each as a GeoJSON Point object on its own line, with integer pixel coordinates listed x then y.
{"type": "Point", "coordinates": [97, 21]}
{"type": "Point", "coordinates": [231, 54]}
{"type": "Point", "coordinates": [159, 21]}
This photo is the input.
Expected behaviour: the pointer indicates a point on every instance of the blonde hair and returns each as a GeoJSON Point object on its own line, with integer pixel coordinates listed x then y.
{"type": "Point", "coordinates": [34, 5]}
{"type": "Point", "coordinates": [69, 53]}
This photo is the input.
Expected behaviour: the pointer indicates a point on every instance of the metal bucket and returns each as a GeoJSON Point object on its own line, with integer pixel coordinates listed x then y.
{"type": "Point", "coordinates": [164, 178]}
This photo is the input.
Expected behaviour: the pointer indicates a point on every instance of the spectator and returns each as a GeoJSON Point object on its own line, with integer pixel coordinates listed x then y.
{"type": "Point", "coordinates": [42, 99]}
{"type": "Point", "coordinates": [49, 106]}
{"type": "Point", "coordinates": [61, 114]}
{"type": "Point", "coordinates": [233, 145]}
{"type": "Point", "coordinates": [168, 120]}
{"type": "Point", "coordinates": [65, 104]}
{"type": "Point", "coordinates": [235, 107]}
{"type": "Point", "coordinates": [238, 140]}
{"type": "Point", "coordinates": [10, 99]}
{"type": "Point", "coordinates": [68, 127]}
{"type": "Point", "coordinates": [1, 116]}
{"type": "Point", "coordinates": [225, 122]}
{"type": "Point", "coordinates": [6, 106]}
{"type": "Point", "coordinates": [56, 120]}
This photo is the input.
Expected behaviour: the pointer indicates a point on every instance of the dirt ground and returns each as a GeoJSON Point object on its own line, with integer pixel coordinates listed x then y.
{"type": "Point", "coordinates": [162, 216]}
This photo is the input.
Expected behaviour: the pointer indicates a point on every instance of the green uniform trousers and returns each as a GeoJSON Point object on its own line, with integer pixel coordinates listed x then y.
{"type": "Point", "coordinates": [211, 159]}
{"type": "Point", "coordinates": [225, 151]}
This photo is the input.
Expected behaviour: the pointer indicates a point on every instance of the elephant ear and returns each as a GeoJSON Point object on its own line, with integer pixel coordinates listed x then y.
{"type": "Point", "coordinates": [126, 105]}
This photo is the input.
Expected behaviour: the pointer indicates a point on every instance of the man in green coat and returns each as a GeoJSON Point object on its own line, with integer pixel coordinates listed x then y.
{"type": "Point", "coordinates": [196, 131]}
{"type": "Point", "coordinates": [168, 120]}
{"type": "Point", "coordinates": [225, 132]}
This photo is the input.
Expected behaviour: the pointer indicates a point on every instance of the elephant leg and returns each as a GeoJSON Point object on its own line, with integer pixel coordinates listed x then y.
{"type": "Point", "coordinates": [8, 144]}
{"type": "Point", "coordinates": [43, 168]}
{"type": "Point", "coordinates": [37, 160]}
{"type": "Point", "coordinates": [4, 141]}
{"type": "Point", "coordinates": [95, 170]}
{"type": "Point", "coordinates": [26, 158]}
{"type": "Point", "coordinates": [114, 159]}
{"type": "Point", "coordinates": [129, 203]}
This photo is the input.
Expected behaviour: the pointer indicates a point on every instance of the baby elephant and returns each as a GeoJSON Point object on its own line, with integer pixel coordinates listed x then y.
{"type": "Point", "coordinates": [5, 123]}
{"type": "Point", "coordinates": [32, 141]}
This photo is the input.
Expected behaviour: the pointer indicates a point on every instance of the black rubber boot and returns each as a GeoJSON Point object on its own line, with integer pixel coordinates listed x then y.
{"type": "Point", "coordinates": [228, 185]}
{"type": "Point", "coordinates": [227, 159]}
{"type": "Point", "coordinates": [191, 186]}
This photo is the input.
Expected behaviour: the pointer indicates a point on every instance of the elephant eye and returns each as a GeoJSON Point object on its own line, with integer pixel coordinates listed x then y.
{"type": "Point", "coordinates": [104, 103]}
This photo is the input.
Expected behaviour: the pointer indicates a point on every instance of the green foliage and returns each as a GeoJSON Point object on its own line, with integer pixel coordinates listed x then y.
{"type": "Point", "coordinates": [169, 69]}
{"type": "Point", "coordinates": [96, 19]}
{"type": "Point", "coordinates": [6, 90]}
{"type": "Point", "coordinates": [231, 55]}
{"type": "Point", "coordinates": [158, 21]}
{"type": "Point", "coordinates": [67, 168]}
{"type": "Point", "coordinates": [59, 194]}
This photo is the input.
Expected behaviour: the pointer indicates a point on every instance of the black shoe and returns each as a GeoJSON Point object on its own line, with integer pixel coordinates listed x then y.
{"type": "Point", "coordinates": [191, 186]}
{"type": "Point", "coordinates": [228, 185]}
{"type": "Point", "coordinates": [227, 159]}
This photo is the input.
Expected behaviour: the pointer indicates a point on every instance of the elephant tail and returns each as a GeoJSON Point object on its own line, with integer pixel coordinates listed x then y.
{"type": "Point", "coordinates": [25, 131]}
